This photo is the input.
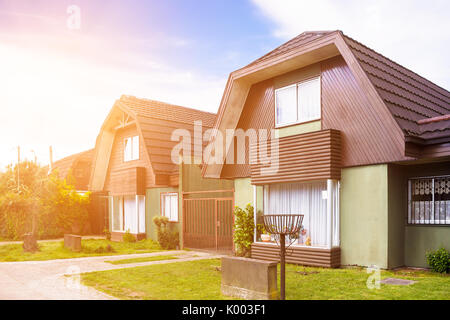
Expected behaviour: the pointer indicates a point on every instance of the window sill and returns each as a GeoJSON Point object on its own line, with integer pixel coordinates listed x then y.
{"type": "Point", "coordinates": [286, 125]}
{"type": "Point", "coordinates": [297, 245]}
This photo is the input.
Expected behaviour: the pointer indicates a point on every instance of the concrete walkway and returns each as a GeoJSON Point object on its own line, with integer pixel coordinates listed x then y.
{"type": "Point", "coordinates": [60, 279]}
{"type": "Point", "coordinates": [2, 243]}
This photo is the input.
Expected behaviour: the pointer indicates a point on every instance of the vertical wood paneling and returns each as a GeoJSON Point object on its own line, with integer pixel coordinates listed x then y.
{"type": "Point", "coordinates": [258, 113]}
{"type": "Point", "coordinates": [366, 136]}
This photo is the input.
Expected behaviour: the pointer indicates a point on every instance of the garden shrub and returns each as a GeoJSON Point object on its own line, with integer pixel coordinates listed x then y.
{"type": "Point", "coordinates": [244, 227]}
{"type": "Point", "coordinates": [168, 240]}
{"type": "Point", "coordinates": [439, 260]}
{"type": "Point", "coordinates": [128, 237]}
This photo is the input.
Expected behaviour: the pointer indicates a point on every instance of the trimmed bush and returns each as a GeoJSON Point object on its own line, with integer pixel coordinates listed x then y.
{"type": "Point", "coordinates": [439, 260]}
{"type": "Point", "coordinates": [244, 229]}
{"type": "Point", "coordinates": [128, 237]}
{"type": "Point", "coordinates": [168, 240]}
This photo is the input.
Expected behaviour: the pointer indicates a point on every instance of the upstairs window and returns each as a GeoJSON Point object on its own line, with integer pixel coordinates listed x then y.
{"type": "Point", "coordinates": [131, 148]}
{"type": "Point", "coordinates": [169, 206]}
{"type": "Point", "coordinates": [429, 201]}
{"type": "Point", "coordinates": [298, 103]}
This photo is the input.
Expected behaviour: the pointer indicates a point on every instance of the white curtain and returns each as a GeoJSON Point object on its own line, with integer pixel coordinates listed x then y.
{"type": "Point", "coordinates": [286, 105]}
{"type": "Point", "coordinates": [309, 100]}
{"type": "Point", "coordinates": [129, 205]}
{"type": "Point", "coordinates": [141, 214]}
{"type": "Point", "coordinates": [301, 198]}
{"type": "Point", "coordinates": [117, 221]}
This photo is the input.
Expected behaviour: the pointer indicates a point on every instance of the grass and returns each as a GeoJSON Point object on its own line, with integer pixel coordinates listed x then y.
{"type": "Point", "coordinates": [90, 248]}
{"type": "Point", "coordinates": [145, 259]}
{"type": "Point", "coordinates": [194, 280]}
{"type": "Point", "coordinates": [201, 280]}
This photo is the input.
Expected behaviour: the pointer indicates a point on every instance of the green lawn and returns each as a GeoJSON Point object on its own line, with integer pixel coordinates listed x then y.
{"type": "Point", "coordinates": [145, 259]}
{"type": "Point", "coordinates": [90, 248]}
{"type": "Point", "coordinates": [201, 280]}
{"type": "Point", "coordinates": [195, 280]}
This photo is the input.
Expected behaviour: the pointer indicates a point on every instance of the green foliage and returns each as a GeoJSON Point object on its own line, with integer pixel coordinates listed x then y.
{"type": "Point", "coordinates": [107, 234]}
{"type": "Point", "coordinates": [243, 230]}
{"type": "Point", "coordinates": [128, 237]}
{"type": "Point", "coordinates": [68, 208]}
{"type": "Point", "coordinates": [41, 204]}
{"type": "Point", "coordinates": [439, 260]}
{"type": "Point", "coordinates": [168, 240]}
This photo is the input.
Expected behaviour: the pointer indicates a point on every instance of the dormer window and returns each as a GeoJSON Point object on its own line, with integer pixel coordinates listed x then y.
{"type": "Point", "coordinates": [131, 148]}
{"type": "Point", "coordinates": [298, 103]}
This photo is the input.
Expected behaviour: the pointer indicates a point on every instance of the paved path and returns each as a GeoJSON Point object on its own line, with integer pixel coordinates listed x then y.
{"type": "Point", "coordinates": [2, 243]}
{"type": "Point", "coordinates": [48, 280]}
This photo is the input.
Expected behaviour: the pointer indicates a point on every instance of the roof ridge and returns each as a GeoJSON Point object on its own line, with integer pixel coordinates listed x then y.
{"type": "Point", "coordinates": [426, 81]}
{"type": "Point", "coordinates": [163, 102]}
{"type": "Point", "coordinates": [290, 41]}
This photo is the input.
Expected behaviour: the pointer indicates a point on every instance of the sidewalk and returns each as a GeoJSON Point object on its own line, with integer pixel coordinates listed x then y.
{"type": "Point", "coordinates": [2, 243]}
{"type": "Point", "coordinates": [59, 279]}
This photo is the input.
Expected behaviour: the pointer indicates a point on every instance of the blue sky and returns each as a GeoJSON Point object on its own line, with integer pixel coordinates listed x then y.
{"type": "Point", "coordinates": [59, 84]}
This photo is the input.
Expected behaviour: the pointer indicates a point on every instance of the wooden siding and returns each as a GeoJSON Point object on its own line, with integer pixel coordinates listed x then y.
{"type": "Point", "coordinates": [123, 177]}
{"type": "Point", "coordinates": [303, 157]}
{"type": "Point", "coordinates": [367, 135]}
{"type": "Point", "coordinates": [258, 113]}
{"type": "Point", "coordinates": [308, 256]}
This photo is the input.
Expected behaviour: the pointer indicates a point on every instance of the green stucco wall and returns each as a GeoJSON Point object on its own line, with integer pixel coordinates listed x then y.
{"type": "Point", "coordinates": [364, 216]}
{"type": "Point", "coordinates": [396, 218]}
{"type": "Point", "coordinates": [153, 209]}
{"type": "Point", "coordinates": [243, 194]}
{"type": "Point", "coordinates": [299, 128]}
{"type": "Point", "coordinates": [420, 239]}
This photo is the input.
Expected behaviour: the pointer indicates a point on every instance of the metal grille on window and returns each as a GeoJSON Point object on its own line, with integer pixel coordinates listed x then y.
{"type": "Point", "coordinates": [429, 200]}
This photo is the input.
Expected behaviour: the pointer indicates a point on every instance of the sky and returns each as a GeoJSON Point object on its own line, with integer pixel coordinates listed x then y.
{"type": "Point", "coordinates": [60, 75]}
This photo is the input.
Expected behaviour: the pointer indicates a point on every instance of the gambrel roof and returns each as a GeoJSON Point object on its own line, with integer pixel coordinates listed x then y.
{"type": "Point", "coordinates": [410, 106]}
{"type": "Point", "coordinates": [155, 121]}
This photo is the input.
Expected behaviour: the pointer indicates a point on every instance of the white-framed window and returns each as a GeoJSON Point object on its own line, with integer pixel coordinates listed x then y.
{"type": "Point", "coordinates": [429, 200]}
{"type": "Point", "coordinates": [318, 202]}
{"type": "Point", "coordinates": [128, 213]}
{"type": "Point", "coordinates": [298, 103]}
{"type": "Point", "coordinates": [131, 148]}
{"type": "Point", "coordinates": [169, 206]}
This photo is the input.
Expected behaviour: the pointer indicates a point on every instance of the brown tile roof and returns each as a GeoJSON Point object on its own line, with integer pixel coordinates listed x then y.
{"type": "Point", "coordinates": [299, 40]}
{"type": "Point", "coordinates": [64, 165]}
{"type": "Point", "coordinates": [409, 97]}
{"type": "Point", "coordinates": [165, 111]}
{"type": "Point", "coordinates": [157, 121]}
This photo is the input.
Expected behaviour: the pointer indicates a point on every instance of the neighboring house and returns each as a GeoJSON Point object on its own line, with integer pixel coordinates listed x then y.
{"type": "Point", "coordinates": [364, 152]}
{"type": "Point", "coordinates": [79, 165]}
{"type": "Point", "coordinates": [134, 167]}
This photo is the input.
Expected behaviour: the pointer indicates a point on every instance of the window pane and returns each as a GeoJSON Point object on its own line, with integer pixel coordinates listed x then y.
{"type": "Point", "coordinates": [174, 207]}
{"type": "Point", "coordinates": [135, 148]}
{"type": "Point", "coordinates": [127, 150]}
{"type": "Point", "coordinates": [286, 105]}
{"type": "Point", "coordinates": [302, 198]}
{"type": "Point", "coordinates": [309, 100]}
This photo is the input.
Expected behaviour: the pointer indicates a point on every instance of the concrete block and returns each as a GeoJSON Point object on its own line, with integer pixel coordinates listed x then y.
{"type": "Point", "coordinates": [249, 279]}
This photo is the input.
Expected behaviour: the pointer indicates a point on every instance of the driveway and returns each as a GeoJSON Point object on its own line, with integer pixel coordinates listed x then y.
{"type": "Point", "coordinates": [60, 279]}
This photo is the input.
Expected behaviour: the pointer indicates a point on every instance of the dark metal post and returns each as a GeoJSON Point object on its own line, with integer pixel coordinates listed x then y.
{"type": "Point", "coordinates": [282, 267]}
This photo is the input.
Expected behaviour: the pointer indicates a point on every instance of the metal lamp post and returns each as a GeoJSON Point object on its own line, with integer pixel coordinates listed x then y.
{"type": "Point", "coordinates": [281, 225]}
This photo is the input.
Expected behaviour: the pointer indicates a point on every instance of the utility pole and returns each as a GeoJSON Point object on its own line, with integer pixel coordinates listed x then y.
{"type": "Point", "coordinates": [18, 168]}
{"type": "Point", "coordinates": [50, 159]}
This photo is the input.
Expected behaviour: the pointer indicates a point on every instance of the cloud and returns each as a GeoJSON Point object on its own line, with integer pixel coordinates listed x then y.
{"type": "Point", "coordinates": [413, 33]}
{"type": "Point", "coordinates": [59, 93]}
